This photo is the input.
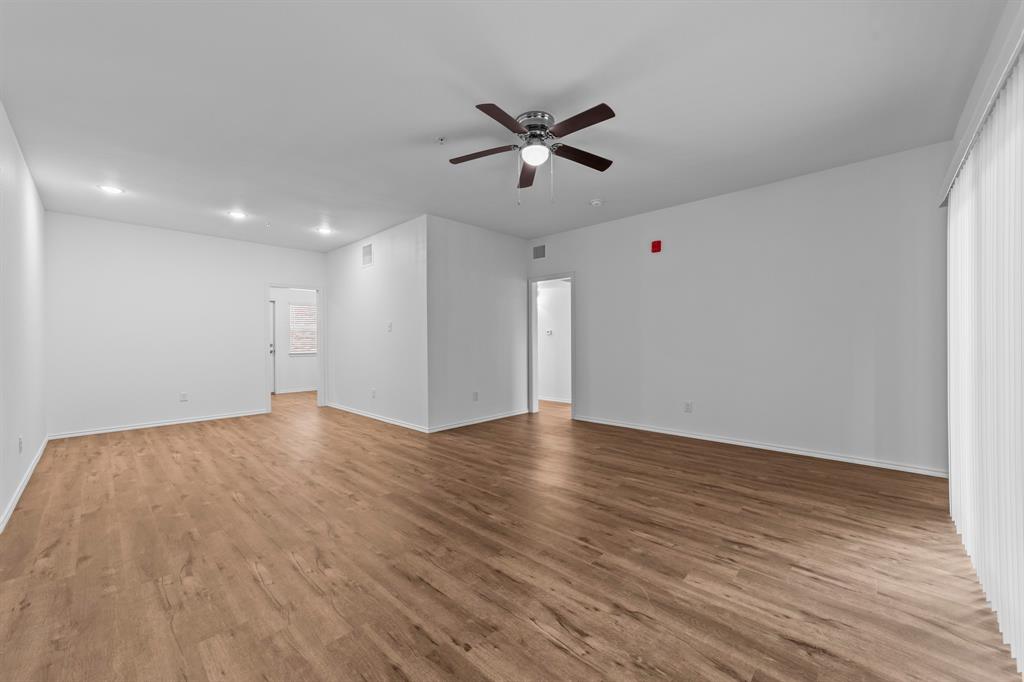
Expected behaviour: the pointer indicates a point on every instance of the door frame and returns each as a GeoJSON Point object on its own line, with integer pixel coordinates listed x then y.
{"type": "Point", "coordinates": [272, 376]}
{"type": "Point", "coordinates": [321, 338]}
{"type": "Point", "coordinates": [532, 401]}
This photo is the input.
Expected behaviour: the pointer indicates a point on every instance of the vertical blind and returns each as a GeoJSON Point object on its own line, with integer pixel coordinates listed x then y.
{"type": "Point", "coordinates": [986, 358]}
{"type": "Point", "coordinates": [301, 329]}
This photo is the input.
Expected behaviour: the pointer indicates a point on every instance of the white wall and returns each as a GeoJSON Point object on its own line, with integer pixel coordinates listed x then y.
{"type": "Point", "coordinates": [554, 340]}
{"type": "Point", "coordinates": [806, 315]}
{"type": "Point", "coordinates": [477, 303]}
{"type": "Point", "coordinates": [137, 315]}
{"type": "Point", "coordinates": [22, 335]}
{"type": "Point", "coordinates": [365, 356]}
{"type": "Point", "coordinates": [294, 372]}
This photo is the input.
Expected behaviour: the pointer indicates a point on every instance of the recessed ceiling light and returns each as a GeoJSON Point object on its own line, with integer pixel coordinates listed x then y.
{"type": "Point", "coordinates": [324, 229]}
{"type": "Point", "coordinates": [596, 202]}
{"type": "Point", "coordinates": [110, 189]}
{"type": "Point", "coordinates": [237, 214]}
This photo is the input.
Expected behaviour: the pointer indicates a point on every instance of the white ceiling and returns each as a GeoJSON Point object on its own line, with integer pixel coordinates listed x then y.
{"type": "Point", "coordinates": [303, 113]}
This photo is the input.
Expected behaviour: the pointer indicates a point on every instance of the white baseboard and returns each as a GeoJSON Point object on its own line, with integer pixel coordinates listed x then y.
{"type": "Point", "coordinates": [555, 400]}
{"type": "Point", "coordinates": [879, 463]}
{"type": "Point", "coordinates": [425, 429]}
{"type": "Point", "coordinates": [9, 509]}
{"type": "Point", "coordinates": [477, 420]}
{"type": "Point", "coordinates": [297, 390]}
{"type": "Point", "coordinates": [379, 417]}
{"type": "Point", "coordinates": [149, 425]}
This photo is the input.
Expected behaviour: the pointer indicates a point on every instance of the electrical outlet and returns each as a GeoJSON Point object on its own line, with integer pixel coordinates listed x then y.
{"type": "Point", "coordinates": [183, 397]}
{"type": "Point", "coordinates": [21, 445]}
{"type": "Point", "coordinates": [688, 407]}
{"type": "Point", "coordinates": [373, 393]}
{"type": "Point", "coordinates": [476, 396]}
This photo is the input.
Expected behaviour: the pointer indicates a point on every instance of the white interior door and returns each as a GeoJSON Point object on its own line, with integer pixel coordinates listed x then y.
{"type": "Point", "coordinates": [272, 351]}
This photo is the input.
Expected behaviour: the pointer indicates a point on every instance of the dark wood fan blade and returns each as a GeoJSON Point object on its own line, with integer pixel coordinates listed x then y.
{"type": "Point", "coordinates": [602, 112]}
{"type": "Point", "coordinates": [478, 155]}
{"type": "Point", "coordinates": [594, 161]}
{"type": "Point", "coordinates": [499, 115]}
{"type": "Point", "coordinates": [526, 175]}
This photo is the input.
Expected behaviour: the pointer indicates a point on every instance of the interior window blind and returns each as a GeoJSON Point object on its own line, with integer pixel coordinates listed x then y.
{"type": "Point", "coordinates": [986, 358]}
{"type": "Point", "coordinates": [301, 329]}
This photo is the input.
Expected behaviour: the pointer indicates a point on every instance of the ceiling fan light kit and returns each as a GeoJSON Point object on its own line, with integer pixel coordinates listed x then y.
{"type": "Point", "coordinates": [535, 153]}
{"type": "Point", "coordinates": [537, 130]}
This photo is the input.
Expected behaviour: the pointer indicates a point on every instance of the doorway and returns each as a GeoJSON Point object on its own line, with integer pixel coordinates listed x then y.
{"type": "Point", "coordinates": [551, 363]}
{"type": "Point", "coordinates": [271, 356]}
{"type": "Point", "coordinates": [294, 338]}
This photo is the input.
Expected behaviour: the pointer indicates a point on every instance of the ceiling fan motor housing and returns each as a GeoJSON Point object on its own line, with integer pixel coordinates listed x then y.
{"type": "Point", "coordinates": [536, 123]}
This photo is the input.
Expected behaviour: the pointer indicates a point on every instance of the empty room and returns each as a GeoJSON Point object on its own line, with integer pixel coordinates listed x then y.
{"type": "Point", "coordinates": [516, 341]}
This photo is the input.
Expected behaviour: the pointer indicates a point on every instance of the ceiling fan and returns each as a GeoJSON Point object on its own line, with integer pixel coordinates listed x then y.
{"type": "Point", "coordinates": [537, 129]}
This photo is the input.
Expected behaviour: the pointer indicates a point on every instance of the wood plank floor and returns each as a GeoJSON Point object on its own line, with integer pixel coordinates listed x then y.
{"type": "Point", "coordinates": [312, 544]}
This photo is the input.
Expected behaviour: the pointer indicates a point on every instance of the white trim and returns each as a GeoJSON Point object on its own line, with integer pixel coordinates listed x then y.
{"type": "Point", "coordinates": [153, 424]}
{"type": "Point", "coordinates": [9, 510]}
{"type": "Point", "coordinates": [477, 420]}
{"type": "Point", "coordinates": [379, 417]}
{"type": "Point", "coordinates": [311, 389]}
{"type": "Point", "coordinates": [271, 342]}
{"type": "Point", "coordinates": [565, 401]}
{"type": "Point", "coordinates": [426, 429]}
{"type": "Point", "coordinates": [789, 450]}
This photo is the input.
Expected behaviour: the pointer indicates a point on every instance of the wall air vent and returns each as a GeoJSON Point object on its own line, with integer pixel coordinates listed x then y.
{"type": "Point", "coordinates": [367, 255]}
{"type": "Point", "coordinates": [539, 251]}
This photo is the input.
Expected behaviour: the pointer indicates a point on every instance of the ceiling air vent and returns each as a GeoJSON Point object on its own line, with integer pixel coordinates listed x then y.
{"type": "Point", "coordinates": [367, 254]}
{"type": "Point", "coordinates": [539, 251]}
